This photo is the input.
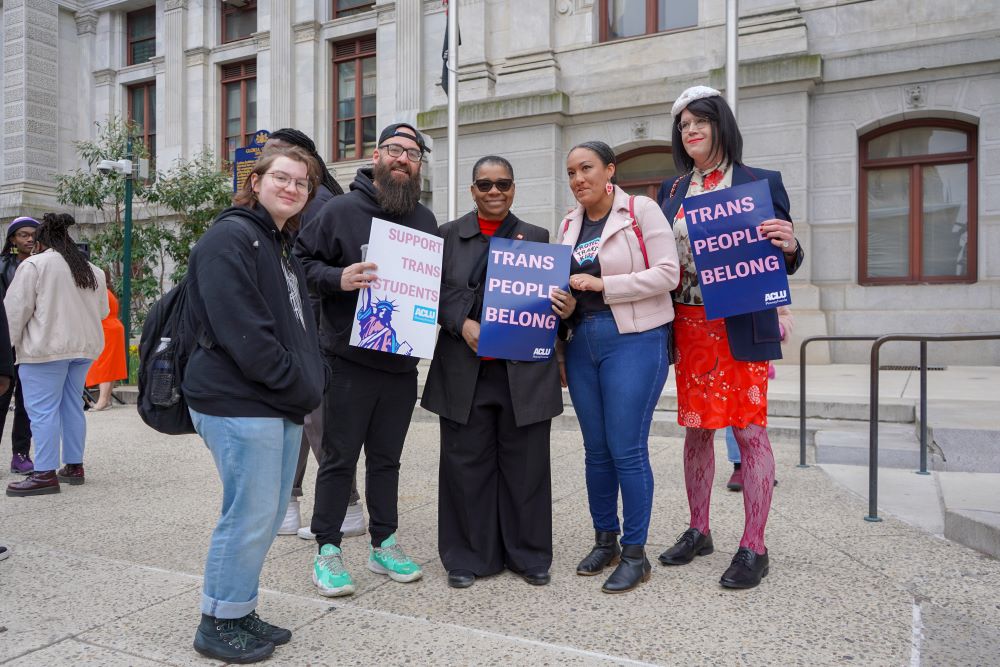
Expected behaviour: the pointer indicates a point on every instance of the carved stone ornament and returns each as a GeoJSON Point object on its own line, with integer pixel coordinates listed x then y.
{"type": "Point", "coordinates": [86, 23]}
{"type": "Point", "coordinates": [640, 130]}
{"type": "Point", "coordinates": [916, 96]}
{"type": "Point", "coordinates": [104, 77]}
{"type": "Point", "coordinates": [171, 5]}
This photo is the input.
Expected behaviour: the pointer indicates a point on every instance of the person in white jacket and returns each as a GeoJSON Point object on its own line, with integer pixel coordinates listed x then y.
{"type": "Point", "coordinates": [54, 310]}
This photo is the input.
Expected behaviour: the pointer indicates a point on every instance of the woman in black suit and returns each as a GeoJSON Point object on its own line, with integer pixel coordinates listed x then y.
{"type": "Point", "coordinates": [721, 366]}
{"type": "Point", "coordinates": [495, 491]}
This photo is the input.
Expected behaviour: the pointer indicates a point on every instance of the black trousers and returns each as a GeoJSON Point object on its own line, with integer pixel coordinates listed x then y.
{"type": "Point", "coordinates": [21, 433]}
{"type": "Point", "coordinates": [495, 487]}
{"type": "Point", "coordinates": [369, 408]}
{"type": "Point", "coordinates": [312, 439]}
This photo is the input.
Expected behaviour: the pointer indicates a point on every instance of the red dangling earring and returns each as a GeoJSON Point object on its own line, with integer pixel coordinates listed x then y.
{"type": "Point", "coordinates": [608, 187]}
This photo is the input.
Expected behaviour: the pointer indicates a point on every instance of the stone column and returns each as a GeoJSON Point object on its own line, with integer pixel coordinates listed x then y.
{"type": "Point", "coordinates": [409, 51]}
{"type": "Point", "coordinates": [171, 92]}
{"type": "Point", "coordinates": [262, 42]}
{"type": "Point", "coordinates": [308, 69]}
{"type": "Point", "coordinates": [86, 31]}
{"type": "Point", "coordinates": [530, 66]}
{"type": "Point", "coordinates": [31, 96]}
{"type": "Point", "coordinates": [282, 77]}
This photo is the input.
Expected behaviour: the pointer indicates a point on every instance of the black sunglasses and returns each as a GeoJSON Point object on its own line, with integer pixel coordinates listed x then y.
{"type": "Point", "coordinates": [484, 185]}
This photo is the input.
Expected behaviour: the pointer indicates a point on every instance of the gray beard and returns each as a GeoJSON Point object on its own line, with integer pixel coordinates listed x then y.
{"type": "Point", "coordinates": [397, 199]}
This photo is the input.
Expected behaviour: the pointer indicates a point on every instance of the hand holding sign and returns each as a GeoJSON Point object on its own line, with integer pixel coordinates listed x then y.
{"type": "Point", "coordinates": [358, 276]}
{"type": "Point", "coordinates": [781, 233]}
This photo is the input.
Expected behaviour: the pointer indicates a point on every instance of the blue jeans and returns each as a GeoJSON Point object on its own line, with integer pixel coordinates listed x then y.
{"type": "Point", "coordinates": [53, 397]}
{"type": "Point", "coordinates": [732, 449]}
{"type": "Point", "coordinates": [256, 459]}
{"type": "Point", "coordinates": [615, 380]}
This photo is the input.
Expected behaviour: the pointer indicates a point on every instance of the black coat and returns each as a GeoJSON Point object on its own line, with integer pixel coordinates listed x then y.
{"type": "Point", "coordinates": [451, 381]}
{"type": "Point", "coordinates": [752, 336]}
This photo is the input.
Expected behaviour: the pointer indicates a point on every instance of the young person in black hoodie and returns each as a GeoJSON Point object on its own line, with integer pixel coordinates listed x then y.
{"type": "Point", "coordinates": [255, 374]}
{"type": "Point", "coordinates": [371, 394]}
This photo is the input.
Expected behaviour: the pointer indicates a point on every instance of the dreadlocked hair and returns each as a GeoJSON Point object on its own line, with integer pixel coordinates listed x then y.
{"type": "Point", "coordinates": [54, 233]}
{"type": "Point", "coordinates": [290, 135]}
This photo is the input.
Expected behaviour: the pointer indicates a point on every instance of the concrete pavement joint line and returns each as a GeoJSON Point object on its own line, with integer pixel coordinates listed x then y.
{"type": "Point", "coordinates": [121, 651]}
{"type": "Point", "coordinates": [917, 635]}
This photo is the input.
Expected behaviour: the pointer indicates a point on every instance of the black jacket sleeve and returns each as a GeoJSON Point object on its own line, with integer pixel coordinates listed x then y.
{"type": "Point", "coordinates": [319, 248]}
{"type": "Point", "coordinates": [6, 355]}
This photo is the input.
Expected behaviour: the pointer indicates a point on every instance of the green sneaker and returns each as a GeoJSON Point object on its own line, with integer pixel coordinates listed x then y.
{"type": "Point", "coordinates": [329, 574]}
{"type": "Point", "coordinates": [392, 560]}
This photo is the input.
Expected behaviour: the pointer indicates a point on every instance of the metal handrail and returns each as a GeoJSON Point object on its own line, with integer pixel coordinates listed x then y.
{"type": "Point", "coordinates": [802, 387]}
{"type": "Point", "coordinates": [873, 369]}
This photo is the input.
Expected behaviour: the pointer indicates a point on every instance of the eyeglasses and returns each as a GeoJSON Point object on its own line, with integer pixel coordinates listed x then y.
{"type": "Point", "coordinates": [696, 124]}
{"type": "Point", "coordinates": [484, 185]}
{"type": "Point", "coordinates": [281, 179]}
{"type": "Point", "coordinates": [24, 234]}
{"type": "Point", "coordinates": [395, 150]}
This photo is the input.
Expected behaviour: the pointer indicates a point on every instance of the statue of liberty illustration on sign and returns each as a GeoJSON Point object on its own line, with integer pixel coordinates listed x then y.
{"type": "Point", "coordinates": [375, 326]}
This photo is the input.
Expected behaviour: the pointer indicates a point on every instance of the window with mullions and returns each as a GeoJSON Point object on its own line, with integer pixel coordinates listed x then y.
{"type": "Point", "coordinates": [641, 171]}
{"type": "Point", "coordinates": [629, 18]}
{"type": "Point", "coordinates": [354, 128]}
{"type": "Point", "coordinates": [342, 8]}
{"type": "Point", "coordinates": [141, 30]}
{"type": "Point", "coordinates": [239, 19]}
{"type": "Point", "coordinates": [142, 114]}
{"type": "Point", "coordinates": [239, 106]}
{"type": "Point", "coordinates": [917, 201]}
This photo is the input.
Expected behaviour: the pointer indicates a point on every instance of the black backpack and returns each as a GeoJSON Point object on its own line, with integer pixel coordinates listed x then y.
{"type": "Point", "coordinates": [161, 403]}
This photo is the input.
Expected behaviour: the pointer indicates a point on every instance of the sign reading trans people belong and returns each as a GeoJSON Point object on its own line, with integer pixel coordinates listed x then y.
{"type": "Point", "coordinates": [739, 269]}
{"type": "Point", "coordinates": [518, 322]}
{"type": "Point", "coordinates": [246, 157]}
{"type": "Point", "coordinates": [398, 313]}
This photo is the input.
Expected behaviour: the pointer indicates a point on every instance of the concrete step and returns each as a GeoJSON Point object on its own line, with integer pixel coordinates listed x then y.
{"type": "Point", "coordinates": [972, 509]}
{"type": "Point", "coordinates": [848, 444]}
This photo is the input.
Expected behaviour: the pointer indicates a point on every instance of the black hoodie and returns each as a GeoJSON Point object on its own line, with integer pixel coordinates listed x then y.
{"type": "Point", "coordinates": [265, 361]}
{"type": "Point", "coordinates": [332, 241]}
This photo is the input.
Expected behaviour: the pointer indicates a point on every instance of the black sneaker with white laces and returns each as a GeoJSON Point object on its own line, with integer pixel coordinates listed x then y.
{"type": "Point", "coordinates": [225, 639]}
{"type": "Point", "coordinates": [261, 629]}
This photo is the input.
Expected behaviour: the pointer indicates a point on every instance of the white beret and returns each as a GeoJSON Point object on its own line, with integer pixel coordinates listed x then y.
{"type": "Point", "coordinates": [690, 95]}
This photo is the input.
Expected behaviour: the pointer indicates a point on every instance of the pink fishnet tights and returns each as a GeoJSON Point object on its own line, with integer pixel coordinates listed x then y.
{"type": "Point", "coordinates": [758, 479]}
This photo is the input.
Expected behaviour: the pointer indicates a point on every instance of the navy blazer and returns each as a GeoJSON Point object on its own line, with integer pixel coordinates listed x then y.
{"type": "Point", "coordinates": [752, 336]}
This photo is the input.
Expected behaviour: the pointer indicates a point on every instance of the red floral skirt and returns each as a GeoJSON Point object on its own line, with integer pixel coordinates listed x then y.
{"type": "Point", "coordinates": [713, 389]}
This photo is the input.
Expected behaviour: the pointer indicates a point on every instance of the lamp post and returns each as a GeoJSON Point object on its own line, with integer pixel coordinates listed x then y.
{"type": "Point", "coordinates": [124, 167]}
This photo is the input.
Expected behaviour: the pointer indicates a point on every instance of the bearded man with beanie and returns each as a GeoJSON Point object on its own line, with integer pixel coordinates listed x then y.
{"type": "Point", "coordinates": [18, 247]}
{"type": "Point", "coordinates": [371, 394]}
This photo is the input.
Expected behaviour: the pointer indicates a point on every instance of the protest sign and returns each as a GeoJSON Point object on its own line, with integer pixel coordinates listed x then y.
{"type": "Point", "coordinates": [398, 313]}
{"type": "Point", "coordinates": [518, 322]}
{"type": "Point", "coordinates": [739, 269]}
{"type": "Point", "coordinates": [246, 157]}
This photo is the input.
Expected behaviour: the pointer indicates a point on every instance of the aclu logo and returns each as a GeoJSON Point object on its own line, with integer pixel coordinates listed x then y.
{"type": "Point", "coordinates": [425, 315]}
{"type": "Point", "coordinates": [542, 353]}
{"type": "Point", "coordinates": [776, 296]}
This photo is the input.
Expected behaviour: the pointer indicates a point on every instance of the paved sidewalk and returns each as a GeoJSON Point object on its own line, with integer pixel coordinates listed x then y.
{"type": "Point", "coordinates": [109, 573]}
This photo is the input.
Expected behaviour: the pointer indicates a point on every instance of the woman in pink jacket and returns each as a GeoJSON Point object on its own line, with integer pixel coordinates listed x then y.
{"type": "Point", "coordinates": [623, 266]}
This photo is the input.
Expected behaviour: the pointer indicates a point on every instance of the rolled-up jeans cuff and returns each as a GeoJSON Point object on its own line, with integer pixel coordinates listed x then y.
{"type": "Point", "coordinates": [223, 609]}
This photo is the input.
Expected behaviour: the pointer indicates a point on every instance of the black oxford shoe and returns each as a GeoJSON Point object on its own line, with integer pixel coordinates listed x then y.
{"type": "Point", "coordinates": [746, 570]}
{"type": "Point", "coordinates": [537, 578]}
{"type": "Point", "coordinates": [691, 543]}
{"type": "Point", "coordinates": [461, 578]}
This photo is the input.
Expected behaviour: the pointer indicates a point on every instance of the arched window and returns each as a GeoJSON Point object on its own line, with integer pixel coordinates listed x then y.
{"type": "Point", "coordinates": [640, 171]}
{"type": "Point", "coordinates": [917, 201]}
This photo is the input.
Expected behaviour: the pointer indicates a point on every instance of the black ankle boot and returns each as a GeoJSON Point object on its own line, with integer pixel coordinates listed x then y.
{"type": "Point", "coordinates": [632, 571]}
{"type": "Point", "coordinates": [605, 552]}
{"type": "Point", "coordinates": [225, 639]}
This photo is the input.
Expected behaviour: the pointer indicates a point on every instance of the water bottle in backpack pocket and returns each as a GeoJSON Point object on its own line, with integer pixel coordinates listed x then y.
{"type": "Point", "coordinates": [163, 390]}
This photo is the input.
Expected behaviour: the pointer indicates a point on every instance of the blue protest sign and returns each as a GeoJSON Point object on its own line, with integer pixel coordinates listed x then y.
{"type": "Point", "coordinates": [739, 269]}
{"type": "Point", "coordinates": [518, 322]}
{"type": "Point", "coordinates": [246, 158]}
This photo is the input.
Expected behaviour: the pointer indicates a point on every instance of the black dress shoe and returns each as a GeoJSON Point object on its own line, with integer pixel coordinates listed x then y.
{"type": "Point", "coordinates": [746, 570]}
{"type": "Point", "coordinates": [461, 578]}
{"type": "Point", "coordinates": [632, 571]}
{"type": "Point", "coordinates": [691, 543]}
{"type": "Point", "coordinates": [224, 639]}
{"type": "Point", "coordinates": [605, 552]}
{"type": "Point", "coordinates": [540, 578]}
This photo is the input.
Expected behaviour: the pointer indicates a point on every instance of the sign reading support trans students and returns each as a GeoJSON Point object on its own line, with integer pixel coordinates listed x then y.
{"type": "Point", "coordinates": [398, 313]}
{"type": "Point", "coordinates": [739, 269]}
{"type": "Point", "coordinates": [518, 322]}
{"type": "Point", "coordinates": [246, 157]}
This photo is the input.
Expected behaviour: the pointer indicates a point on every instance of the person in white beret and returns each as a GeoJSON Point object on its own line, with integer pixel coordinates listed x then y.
{"type": "Point", "coordinates": [721, 365]}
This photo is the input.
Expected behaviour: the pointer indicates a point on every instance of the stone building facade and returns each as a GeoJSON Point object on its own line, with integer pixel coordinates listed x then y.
{"type": "Point", "coordinates": [883, 117]}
